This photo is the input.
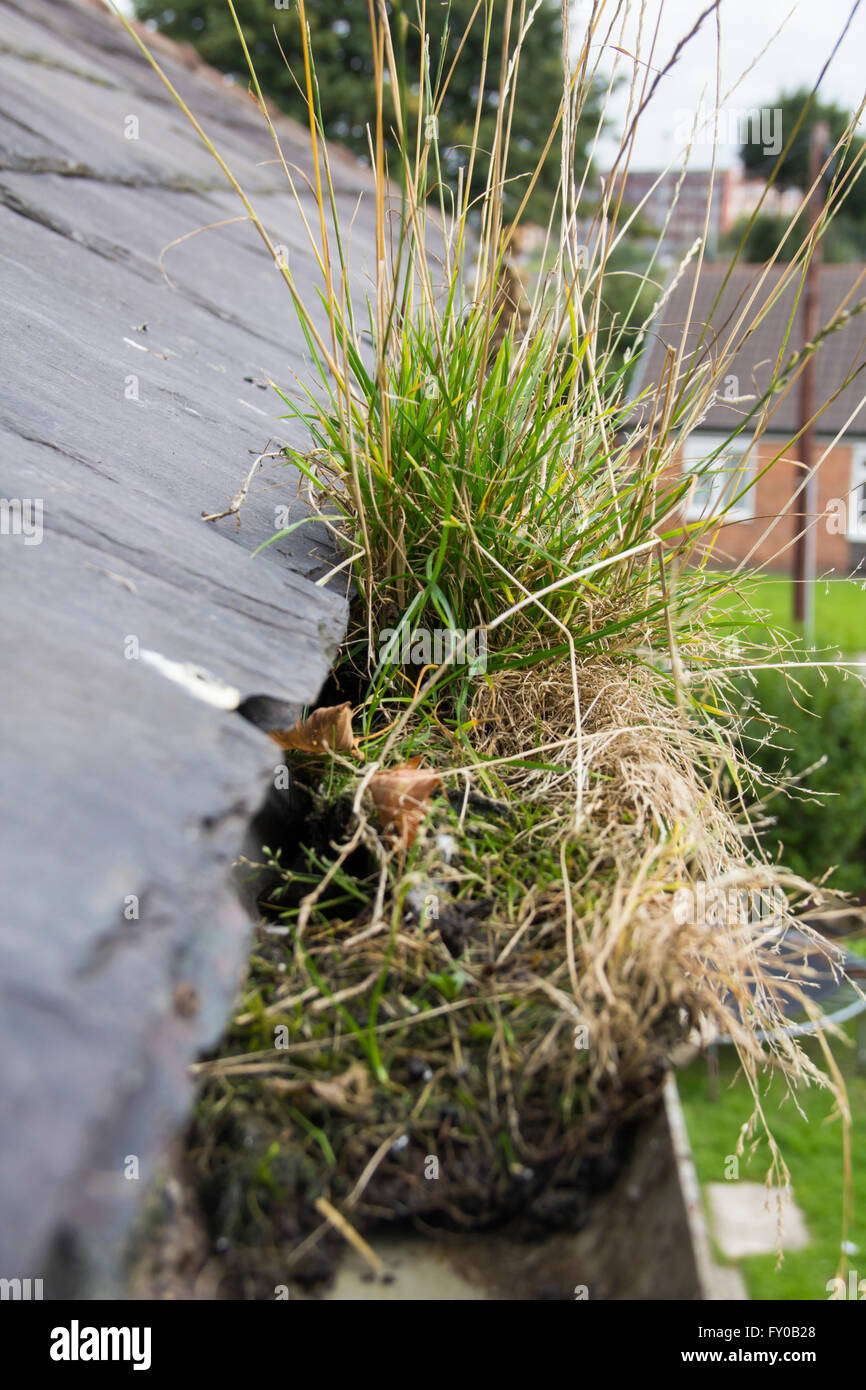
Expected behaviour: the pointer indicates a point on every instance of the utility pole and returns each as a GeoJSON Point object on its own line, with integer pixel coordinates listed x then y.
{"type": "Point", "coordinates": [805, 518]}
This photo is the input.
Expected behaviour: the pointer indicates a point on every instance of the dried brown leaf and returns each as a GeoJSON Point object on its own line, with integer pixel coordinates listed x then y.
{"type": "Point", "coordinates": [327, 729]}
{"type": "Point", "coordinates": [402, 798]}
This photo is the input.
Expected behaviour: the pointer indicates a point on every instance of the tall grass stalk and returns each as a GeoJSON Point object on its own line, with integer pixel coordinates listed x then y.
{"type": "Point", "coordinates": [473, 446]}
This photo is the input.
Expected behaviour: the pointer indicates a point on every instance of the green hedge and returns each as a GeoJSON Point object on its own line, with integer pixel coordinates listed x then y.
{"type": "Point", "coordinates": [830, 724]}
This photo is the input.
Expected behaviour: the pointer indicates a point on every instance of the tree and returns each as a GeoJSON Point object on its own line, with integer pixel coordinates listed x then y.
{"type": "Point", "coordinates": [846, 236]}
{"type": "Point", "coordinates": [343, 53]}
{"type": "Point", "coordinates": [843, 239]}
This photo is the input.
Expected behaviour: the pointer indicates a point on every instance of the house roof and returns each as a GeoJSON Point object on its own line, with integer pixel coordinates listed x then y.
{"type": "Point", "coordinates": [130, 405]}
{"type": "Point", "coordinates": [710, 332]}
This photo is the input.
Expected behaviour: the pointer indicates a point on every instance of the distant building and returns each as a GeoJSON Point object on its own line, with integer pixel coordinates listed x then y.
{"type": "Point", "coordinates": [765, 522]}
{"type": "Point", "coordinates": [731, 197]}
{"type": "Point", "coordinates": [657, 197]}
{"type": "Point", "coordinates": [744, 195]}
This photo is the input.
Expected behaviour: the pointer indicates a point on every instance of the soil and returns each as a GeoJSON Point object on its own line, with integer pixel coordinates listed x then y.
{"type": "Point", "coordinates": [429, 1153]}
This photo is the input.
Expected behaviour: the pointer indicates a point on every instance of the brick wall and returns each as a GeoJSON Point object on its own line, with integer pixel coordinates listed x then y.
{"type": "Point", "coordinates": [773, 528]}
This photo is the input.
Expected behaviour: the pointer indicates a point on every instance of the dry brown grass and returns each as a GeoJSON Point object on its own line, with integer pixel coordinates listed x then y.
{"type": "Point", "coordinates": [592, 772]}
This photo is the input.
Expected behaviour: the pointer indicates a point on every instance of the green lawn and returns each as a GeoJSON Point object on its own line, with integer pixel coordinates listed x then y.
{"type": "Point", "coordinates": [812, 1148]}
{"type": "Point", "coordinates": [840, 609]}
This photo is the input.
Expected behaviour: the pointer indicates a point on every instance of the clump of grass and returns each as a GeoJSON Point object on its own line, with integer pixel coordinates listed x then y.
{"type": "Point", "coordinates": [473, 451]}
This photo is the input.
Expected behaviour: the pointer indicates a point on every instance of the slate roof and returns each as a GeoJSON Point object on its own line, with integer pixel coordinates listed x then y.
{"type": "Point", "coordinates": [841, 352]}
{"type": "Point", "coordinates": [129, 406]}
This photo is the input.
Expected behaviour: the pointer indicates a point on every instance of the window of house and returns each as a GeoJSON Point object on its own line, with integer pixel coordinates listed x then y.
{"type": "Point", "coordinates": [857, 495]}
{"type": "Point", "coordinates": [721, 471]}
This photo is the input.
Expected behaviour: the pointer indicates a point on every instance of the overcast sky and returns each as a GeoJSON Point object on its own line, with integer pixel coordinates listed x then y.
{"type": "Point", "coordinates": [808, 30]}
